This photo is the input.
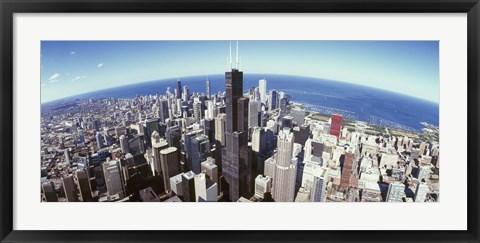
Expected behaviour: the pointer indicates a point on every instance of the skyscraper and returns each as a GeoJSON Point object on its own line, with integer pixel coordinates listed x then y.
{"type": "Point", "coordinates": [69, 188]}
{"type": "Point", "coordinates": [285, 168]}
{"type": "Point", "coordinates": [236, 156]}
{"type": "Point", "coordinates": [84, 185]}
{"type": "Point", "coordinates": [396, 191]}
{"type": "Point", "coordinates": [157, 146]}
{"type": "Point", "coordinates": [347, 169]}
{"type": "Point", "coordinates": [113, 178]}
{"type": "Point", "coordinates": [263, 184]}
{"type": "Point", "coordinates": [124, 144]}
{"type": "Point", "coordinates": [262, 85]}
{"type": "Point", "coordinates": [179, 89]}
{"type": "Point", "coordinates": [205, 189]}
{"type": "Point", "coordinates": [170, 165]}
{"type": "Point", "coordinates": [272, 100]}
{"type": "Point", "coordinates": [220, 128]}
{"type": "Point", "coordinates": [49, 191]}
{"type": "Point", "coordinates": [188, 186]}
{"type": "Point", "coordinates": [200, 150]}
{"type": "Point", "coordinates": [319, 186]}
{"type": "Point", "coordinates": [336, 125]}
{"type": "Point", "coordinates": [253, 109]}
{"type": "Point", "coordinates": [208, 89]}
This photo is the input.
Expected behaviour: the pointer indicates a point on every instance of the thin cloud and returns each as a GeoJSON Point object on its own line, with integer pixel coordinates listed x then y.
{"type": "Point", "coordinates": [100, 65]}
{"type": "Point", "coordinates": [72, 53]}
{"type": "Point", "coordinates": [53, 81]}
{"type": "Point", "coordinates": [55, 76]}
{"type": "Point", "coordinates": [76, 78]}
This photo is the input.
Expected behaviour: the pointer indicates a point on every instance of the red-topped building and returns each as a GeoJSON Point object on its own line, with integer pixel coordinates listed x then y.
{"type": "Point", "coordinates": [336, 126]}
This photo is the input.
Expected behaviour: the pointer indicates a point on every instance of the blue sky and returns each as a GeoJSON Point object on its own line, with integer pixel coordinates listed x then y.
{"type": "Point", "coordinates": [74, 67]}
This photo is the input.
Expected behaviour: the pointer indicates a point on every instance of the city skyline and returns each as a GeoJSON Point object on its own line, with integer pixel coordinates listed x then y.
{"type": "Point", "coordinates": [70, 68]}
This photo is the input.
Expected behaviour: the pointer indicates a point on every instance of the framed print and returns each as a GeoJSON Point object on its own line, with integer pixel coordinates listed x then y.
{"type": "Point", "coordinates": [178, 121]}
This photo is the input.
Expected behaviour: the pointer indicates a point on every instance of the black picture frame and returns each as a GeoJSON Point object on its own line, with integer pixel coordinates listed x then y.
{"type": "Point", "coordinates": [9, 7]}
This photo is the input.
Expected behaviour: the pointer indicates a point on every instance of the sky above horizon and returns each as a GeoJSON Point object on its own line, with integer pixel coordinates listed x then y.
{"type": "Point", "coordinates": [74, 67]}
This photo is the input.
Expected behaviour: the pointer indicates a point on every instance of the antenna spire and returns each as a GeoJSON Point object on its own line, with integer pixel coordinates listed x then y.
{"type": "Point", "coordinates": [236, 57]}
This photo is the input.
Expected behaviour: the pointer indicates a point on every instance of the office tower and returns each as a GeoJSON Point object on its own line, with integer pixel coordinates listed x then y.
{"type": "Point", "coordinates": [220, 128]}
{"type": "Point", "coordinates": [263, 184]}
{"type": "Point", "coordinates": [49, 191]}
{"type": "Point", "coordinates": [124, 144]}
{"type": "Point", "coordinates": [197, 106]}
{"type": "Point", "coordinates": [99, 138]}
{"type": "Point", "coordinates": [200, 150]}
{"type": "Point", "coordinates": [320, 186]}
{"type": "Point", "coordinates": [188, 187]}
{"type": "Point", "coordinates": [396, 191]}
{"type": "Point", "coordinates": [176, 184]}
{"type": "Point", "coordinates": [170, 165]}
{"type": "Point", "coordinates": [179, 89]}
{"type": "Point", "coordinates": [347, 169]}
{"type": "Point", "coordinates": [270, 168]}
{"type": "Point", "coordinates": [236, 156]}
{"type": "Point", "coordinates": [209, 112]}
{"type": "Point", "coordinates": [209, 129]}
{"type": "Point", "coordinates": [285, 168]}
{"type": "Point", "coordinates": [113, 178]}
{"type": "Point", "coordinates": [208, 89]}
{"type": "Point", "coordinates": [302, 133]}
{"type": "Point", "coordinates": [421, 192]}
{"type": "Point", "coordinates": [188, 138]}
{"type": "Point", "coordinates": [272, 100]}
{"type": "Point", "coordinates": [157, 146]}
{"type": "Point", "coordinates": [298, 115]}
{"type": "Point", "coordinates": [210, 169]}
{"type": "Point", "coordinates": [163, 110]}
{"type": "Point", "coordinates": [151, 125]}
{"type": "Point", "coordinates": [242, 109]}
{"type": "Point", "coordinates": [66, 155]}
{"type": "Point", "coordinates": [174, 136]}
{"type": "Point", "coordinates": [186, 93]}
{"type": "Point", "coordinates": [336, 125]}
{"type": "Point", "coordinates": [282, 104]}
{"type": "Point", "coordinates": [253, 109]}
{"type": "Point", "coordinates": [259, 142]}
{"type": "Point", "coordinates": [84, 185]}
{"type": "Point", "coordinates": [70, 188]}
{"type": "Point", "coordinates": [262, 86]}
{"type": "Point", "coordinates": [205, 189]}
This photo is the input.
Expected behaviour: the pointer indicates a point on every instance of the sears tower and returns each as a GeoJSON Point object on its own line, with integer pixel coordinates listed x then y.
{"type": "Point", "coordinates": [236, 156]}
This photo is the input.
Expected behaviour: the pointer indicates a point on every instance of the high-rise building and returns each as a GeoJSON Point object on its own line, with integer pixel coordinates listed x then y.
{"type": "Point", "coordinates": [263, 184]}
{"type": "Point", "coordinates": [70, 188]}
{"type": "Point", "coordinates": [157, 146]}
{"type": "Point", "coordinates": [151, 125]}
{"type": "Point", "coordinates": [272, 100]}
{"type": "Point", "coordinates": [262, 86]}
{"type": "Point", "coordinates": [179, 89]}
{"type": "Point", "coordinates": [49, 191]}
{"type": "Point", "coordinates": [163, 110]}
{"type": "Point", "coordinates": [336, 125]}
{"type": "Point", "coordinates": [210, 169]}
{"type": "Point", "coordinates": [197, 110]}
{"type": "Point", "coordinates": [170, 165]}
{"type": "Point", "coordinates": [253, 109]}
{"type": "Point", "coordinates": [113, 178]}
{"type": "Point", "coordinates": [188, 186]}
{"type": "Point", "coordinates": [298, 115]}
{"type": "Point", "coordinates": [421, 192]}
{"type": "Point", "coordinates": [205, 189]}
{"type": "Point", "coordinates": [99, 138]}
{"type": "Point", "coordinates": [347, 169]}
{"type": "Point", "coordinates": [186, 93]}
{"type": "Point", "coordinates": [66, 155]}
{"type": "Point", "coordinates": [200, 150]}
{"type": "Point", "coordinates": [84, 185]}
{"type": "Point", "coordinates": [285, 168]}
{"type": "Point", "coordinates": [220, 128]}
{"type": "Point", "coordinates": [236, 156]}
{"type": "Point", "coordinates": [174, 136]}
{"type": "Point", "coordinates": [176, 185]}
{"type": "Point", "coordinates": [208, 89]}
{"type": "Point", "coordinates": [396, 191]}
{"type": "Point", "coordinates": [319, 186]}
{"type": "Point", "coordinates": [124, 144]}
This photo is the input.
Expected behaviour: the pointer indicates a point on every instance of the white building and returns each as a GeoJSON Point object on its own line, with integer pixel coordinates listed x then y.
{"type": "Point", "coordinates": [262, 85]}
{"type": "Point", "coordinates": [285, 168]}
{"type": "Point", "coordinates": [396, 191]}
{"type": "Point", "coordinates": [205, 189]}
{"type": "Point", "coordinates": [113, 177]}
{"type": "Point", "coordinates": [263, 185]}
{"type": "Point", "coordinates": [176, 184]}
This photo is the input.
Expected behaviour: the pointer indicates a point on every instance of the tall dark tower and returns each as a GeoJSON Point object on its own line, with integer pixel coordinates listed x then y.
{"type": "Point", "coordinates": [179, 89]}
{"type": "Point", "coordinates": [236, 156]}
